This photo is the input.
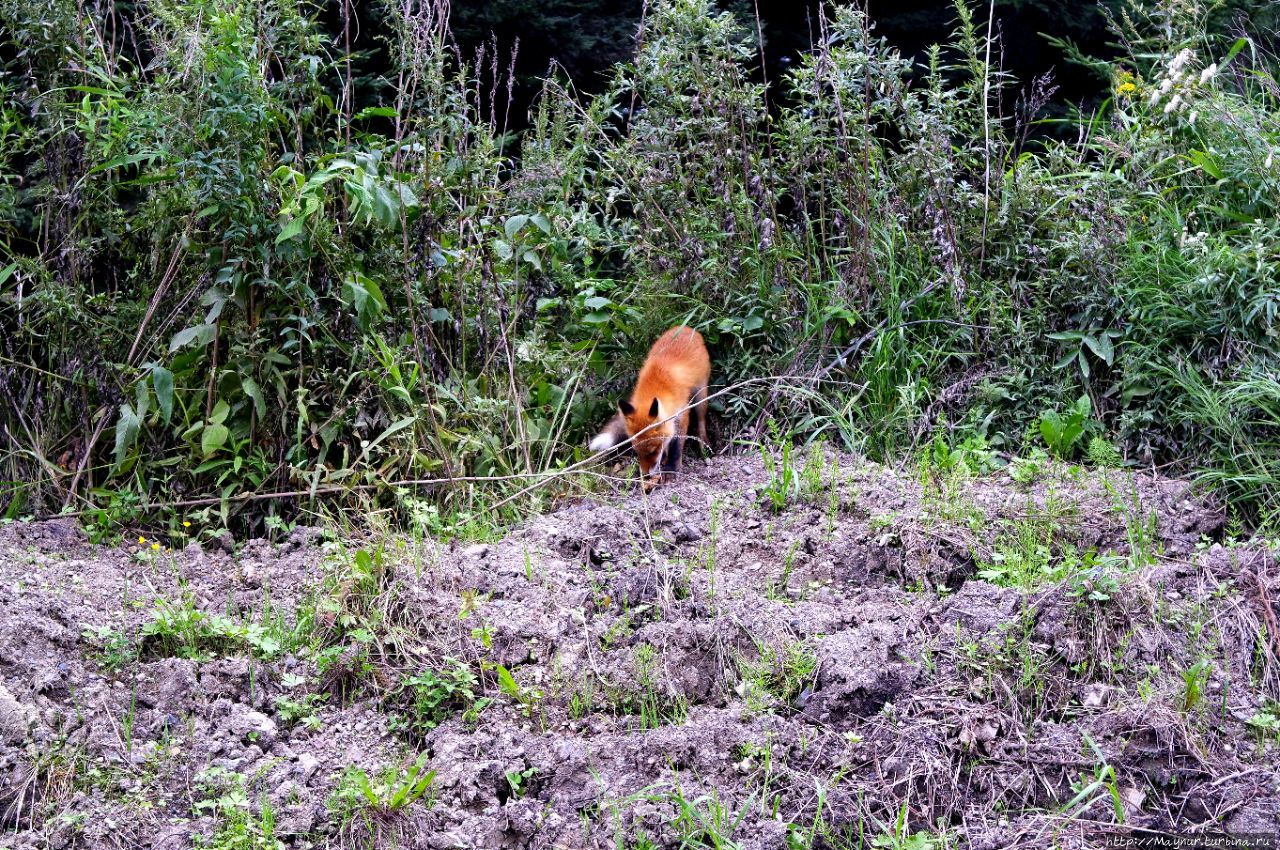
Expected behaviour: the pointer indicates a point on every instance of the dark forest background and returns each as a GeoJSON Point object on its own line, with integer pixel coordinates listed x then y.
{"type": "Point", "coordinates": [1034, 38]}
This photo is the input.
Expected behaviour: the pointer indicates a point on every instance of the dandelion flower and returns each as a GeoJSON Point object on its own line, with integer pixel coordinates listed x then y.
{"type": "Point", "coordinates": [155, 547]}
{"type": "Point", "coordinates": [142, 541]}
{"type": "Point", "coordinates": [186, 523]}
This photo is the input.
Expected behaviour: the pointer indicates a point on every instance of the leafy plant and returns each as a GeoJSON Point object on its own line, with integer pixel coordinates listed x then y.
{"type": "Point", "coordinates": [179, 629]}
{"type": "Point", "coordinates": [240, 823]}
{"type": "Point", "coordinates": [375, 800]}
{"type": "Point", "coordinates": [1103, 785]}
{"type": "Point", "coordinates": [1194, 679]}
{"type": "Point", "coordinates": [778, 675]}
{"type": "Point", "coordinates": [436, 695]}
{"type": "Point", "coordinates": [1061, 432]}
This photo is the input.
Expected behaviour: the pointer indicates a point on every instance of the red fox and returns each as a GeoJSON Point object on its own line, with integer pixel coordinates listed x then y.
{"type": "Point", "coordinates": [673, 378]}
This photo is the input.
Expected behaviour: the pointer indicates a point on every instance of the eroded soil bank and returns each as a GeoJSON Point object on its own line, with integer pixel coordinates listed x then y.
{"type": "Point", "coordinates": [855, 654]}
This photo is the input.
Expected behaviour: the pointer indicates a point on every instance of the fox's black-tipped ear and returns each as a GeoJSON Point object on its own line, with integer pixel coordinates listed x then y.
{"type": "Point", "coordinates": [653, 409]}
{"type": "Point", "coordinates": [625, 407]}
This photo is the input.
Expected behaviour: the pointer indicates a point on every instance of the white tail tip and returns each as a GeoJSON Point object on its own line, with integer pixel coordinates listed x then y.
{"type": "Point", "coordinates": [602, 442]}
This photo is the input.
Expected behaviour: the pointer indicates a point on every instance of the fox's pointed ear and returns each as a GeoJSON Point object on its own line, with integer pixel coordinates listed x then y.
{"type": "Point", "coordinates": [626, 407]}
{"type": "Point", "coordinates": [653, 409]}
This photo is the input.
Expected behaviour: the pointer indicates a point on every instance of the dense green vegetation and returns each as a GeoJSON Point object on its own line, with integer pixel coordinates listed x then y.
{"type": "Point", "coordinates": [235, 269]}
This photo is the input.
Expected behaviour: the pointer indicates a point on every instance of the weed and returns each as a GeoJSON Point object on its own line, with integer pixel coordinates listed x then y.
{"type": "Point", "coordinates": [113, 649]}
{"type": "Point", "coordinates": [239, 826]}
{"type": "Point", "coordinates": [436, 695]}
{"type": "Point", "coordinates": [301, 711]}
{"type": "Point", "coordinates": [777, 676]}
{"type": "Point", "coordinates": [378, 800]}
{"type": "Point", "coordinates": [1025, 554]}
{"type": "Point", "coordinates": [518, 781]}
{"type": "Point", "coordinates": [1142, 529]}
{"type": "Point", "coordinates": [1266, 723]}
{"type": "Point", "coordinates": [527, 700]}
{"type": "Point", "coordinates": [653, 707]}
{"type": "Point", "coordinates": [1096, 581]}
{"type": "Point", "coordinates": [1102, 785]}
{"type": "Point", "coordinates": [783, 482]}
{"type": "Point", "coordinates": [1194, 679]}
{"type": "Point", "coordinates": [706, 821]}
{"type": "Point", "coordinates": [898, 836]}
{"type": "Point", "coordinates": [178, 629]}
{"type": "Point", "coordinates": [1103, 454]}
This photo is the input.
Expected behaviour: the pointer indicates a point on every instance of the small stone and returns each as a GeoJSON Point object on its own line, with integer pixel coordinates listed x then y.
{"type": "Point", "coordinates": [16, 719]}
{"type": "Point", "coordinates": [306, 766]}
{"type": "Point", "coordinates": [254, 727]}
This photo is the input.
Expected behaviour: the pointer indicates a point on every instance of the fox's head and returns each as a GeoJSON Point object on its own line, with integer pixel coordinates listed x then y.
{"type": "Point", "coordinates": [652, 444]}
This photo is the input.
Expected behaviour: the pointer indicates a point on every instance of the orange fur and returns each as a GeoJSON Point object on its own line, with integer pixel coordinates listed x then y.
{"type": "Point", "coordinates": [673, 378]}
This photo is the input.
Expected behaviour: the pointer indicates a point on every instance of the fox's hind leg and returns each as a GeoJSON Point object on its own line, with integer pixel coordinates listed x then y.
{"type": "Point", "coordinates": [699, 412]}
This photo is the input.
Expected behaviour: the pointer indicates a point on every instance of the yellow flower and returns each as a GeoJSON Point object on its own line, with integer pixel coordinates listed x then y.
{"type": "Point", "coordinates": [186, 523]}
{"type": "Point", "coordinates": [1126, 89]}
{"type": "Point", "coordinates": [142, 541]}
{"type": "Point", "coordinates": [155, 546]}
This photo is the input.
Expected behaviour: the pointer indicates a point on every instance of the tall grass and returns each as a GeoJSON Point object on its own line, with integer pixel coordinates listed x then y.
{"type": "Point", "coordinates": [246, 257]}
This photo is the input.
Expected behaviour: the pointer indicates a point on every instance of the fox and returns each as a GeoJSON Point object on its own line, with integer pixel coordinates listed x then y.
{"type": "Point", "coordinates": [674, 377]}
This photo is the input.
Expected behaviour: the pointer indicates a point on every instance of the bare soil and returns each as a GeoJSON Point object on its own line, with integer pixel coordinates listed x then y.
{"type": "Point", "coordinates": [890, 653]}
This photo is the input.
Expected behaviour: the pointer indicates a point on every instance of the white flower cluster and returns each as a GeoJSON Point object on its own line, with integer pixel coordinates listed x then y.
{"type": "Point", "coordinates": [1178, 80]}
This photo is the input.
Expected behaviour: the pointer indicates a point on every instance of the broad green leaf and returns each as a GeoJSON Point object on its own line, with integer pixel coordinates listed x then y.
{"type": "Point", "coordinates": [162, 380]}
{"type": "Point", "coordinates": [507, 683]}
{"type": "Point", "coordinates": [1231, 54]}
{"type": "Point", "coordinates": [1102, 346]}
{"type": "Point", "coordinates": [251, 389]}
{"type": "Point", "coordinates": [96, 90]}
{"type": "Point", "coordinates": [127, 428]}
{"type": "Point", "coordinates": [220, 412]}
{"type": "Point", "coordinates": [514, 225]}
{"type": "Point", "coordinates": [128, 159]}
{"type": "Point", "coordinates": [1206, 162]}
{"type": "Point", "coordinates": [364, 294]}
{"type": "Point", "coordinates": [142, 398]}
{"type": "Point", "coordinates": [199, 335]}
{"type": "Point", "coordinates": [213, 438]}
{"type": "Point", "coordinates": [394, 428]}
{"type": "Point", "coordinates": [291, 229]}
